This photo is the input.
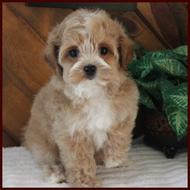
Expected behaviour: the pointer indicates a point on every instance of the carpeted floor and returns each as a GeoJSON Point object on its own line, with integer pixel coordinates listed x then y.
{"type": "Point", "coordinates": [148, 168]}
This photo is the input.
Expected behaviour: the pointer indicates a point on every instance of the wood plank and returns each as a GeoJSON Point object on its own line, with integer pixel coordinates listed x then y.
{"type": "Point", "coordinates": [166, 22]}
{"type": "Point", "coordinates": [41, 19]}
{"type": "Point", "coordinates": [106, 6]}
{"type": "Point", "coordinates": [180, 14]}
{"type": "Point", "coordinates": [23, 52]}
{"type": "Point", "coordinates": [24, 71]}
{"type": "Point", "coordinates": [8, 140]}
{"type": "Point", "coordinates": [137, 29]}
{"type": "Point", "coordinates": [37, 16]}
{"type": "Point", "coordinates": [146, 11]}
{"type": "Point", "coordinates": [142, 34]}
{"type": "Point", "coordinates": [16, 110]}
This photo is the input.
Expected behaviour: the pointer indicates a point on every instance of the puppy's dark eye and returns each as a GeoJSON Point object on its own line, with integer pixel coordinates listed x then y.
{"type": "Point", "coordinates": [103, 50]}
{"type": "Point", "coordinates": [73, 53]}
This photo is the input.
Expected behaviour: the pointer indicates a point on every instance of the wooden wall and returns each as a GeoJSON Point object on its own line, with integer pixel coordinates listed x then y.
{"type": "Point", "coordinates": [154, 26]}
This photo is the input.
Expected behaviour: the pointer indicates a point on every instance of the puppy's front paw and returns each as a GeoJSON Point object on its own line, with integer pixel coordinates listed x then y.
{"type": "Point", "coordinates": [79, 179]}
{"type": "Point", "coordinates": [87, 181]}
{"type": "Point", "coordinates": [111, 163]}
{"type": "Point", "coordinates": [54, 173]}
{"type": "Point", "coordinates": [56, 177]}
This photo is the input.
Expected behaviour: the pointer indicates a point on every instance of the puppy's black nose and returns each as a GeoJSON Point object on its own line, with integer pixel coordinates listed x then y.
{"type": "Point", "coordinates": [90, 71]}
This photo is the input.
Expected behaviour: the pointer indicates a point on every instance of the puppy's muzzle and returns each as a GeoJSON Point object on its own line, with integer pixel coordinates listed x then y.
{"type": "Point", "coordinates": [90, 71]}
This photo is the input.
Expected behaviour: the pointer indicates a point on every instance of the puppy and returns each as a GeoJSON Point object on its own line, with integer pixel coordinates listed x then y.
{"type": "Point", "coordinates": [86, 113]}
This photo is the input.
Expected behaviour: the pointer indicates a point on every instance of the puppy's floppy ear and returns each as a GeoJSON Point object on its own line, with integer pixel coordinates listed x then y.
{"type": "Point", "coordinates": [125, 49]}
{"type": "Point", "coordinates": [51, 52]}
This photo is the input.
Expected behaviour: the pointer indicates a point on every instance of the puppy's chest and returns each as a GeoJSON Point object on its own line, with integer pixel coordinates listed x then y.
{"type": "Point", "coordinates": [97, 118]}
{"type": "Point", "coordinates": [99, 115]}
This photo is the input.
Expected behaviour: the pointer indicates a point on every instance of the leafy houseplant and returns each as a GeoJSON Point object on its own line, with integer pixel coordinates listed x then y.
{"type": "Point", "coordinates": [162, 81]}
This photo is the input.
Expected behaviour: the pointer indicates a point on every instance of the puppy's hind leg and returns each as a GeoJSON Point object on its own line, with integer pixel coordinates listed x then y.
{"type": "Point", "coordinates": [44, 151]}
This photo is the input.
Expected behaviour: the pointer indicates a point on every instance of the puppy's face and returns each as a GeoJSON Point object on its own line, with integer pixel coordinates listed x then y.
{"type": "Point", "coordinates": [88, 47]}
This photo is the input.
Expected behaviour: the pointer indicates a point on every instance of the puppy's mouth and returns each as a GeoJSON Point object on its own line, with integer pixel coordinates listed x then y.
{"type": "Point", "coordinates": [90, 77]}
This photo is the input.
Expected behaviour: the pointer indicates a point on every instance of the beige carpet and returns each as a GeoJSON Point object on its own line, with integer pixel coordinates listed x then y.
{"type": "Point", "coordinates": [148, 168]}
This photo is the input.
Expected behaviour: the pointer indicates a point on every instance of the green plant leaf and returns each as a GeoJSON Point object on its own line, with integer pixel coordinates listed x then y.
{"type": "Point", "coordinates": [179, 96]}
{"type": "Point", "coordinates": [161, 77]}
{"type": "Point", "coordinates": [175, 105]}
{"type": "Point", "coordinates": [141, 68]}
{"type": "Point", "coordinates": [146, 66]}
{"type": "Point", "coordinates": [166, 88]}
{"type": "Point", "coordinates": [174, 95]}
{"type": "Point", "coordinates": [177, 120]}
{"type": "Point", "coordinates": [179, 100]}
{"type": "Point", "coordinates": [152, 87]}
{"type": "Point", "coordinates": [149, 85]}
{"type": "Point", "coordinates": [182, 50]}
{"type": "Point", "coordinates": [171, 66]}
{"type": "Point", "coordinates": [145, 99]}
{"type": "Point", "coordinates": [133, 69]}
{"type": "Point", "coordinates": [172, 62]}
